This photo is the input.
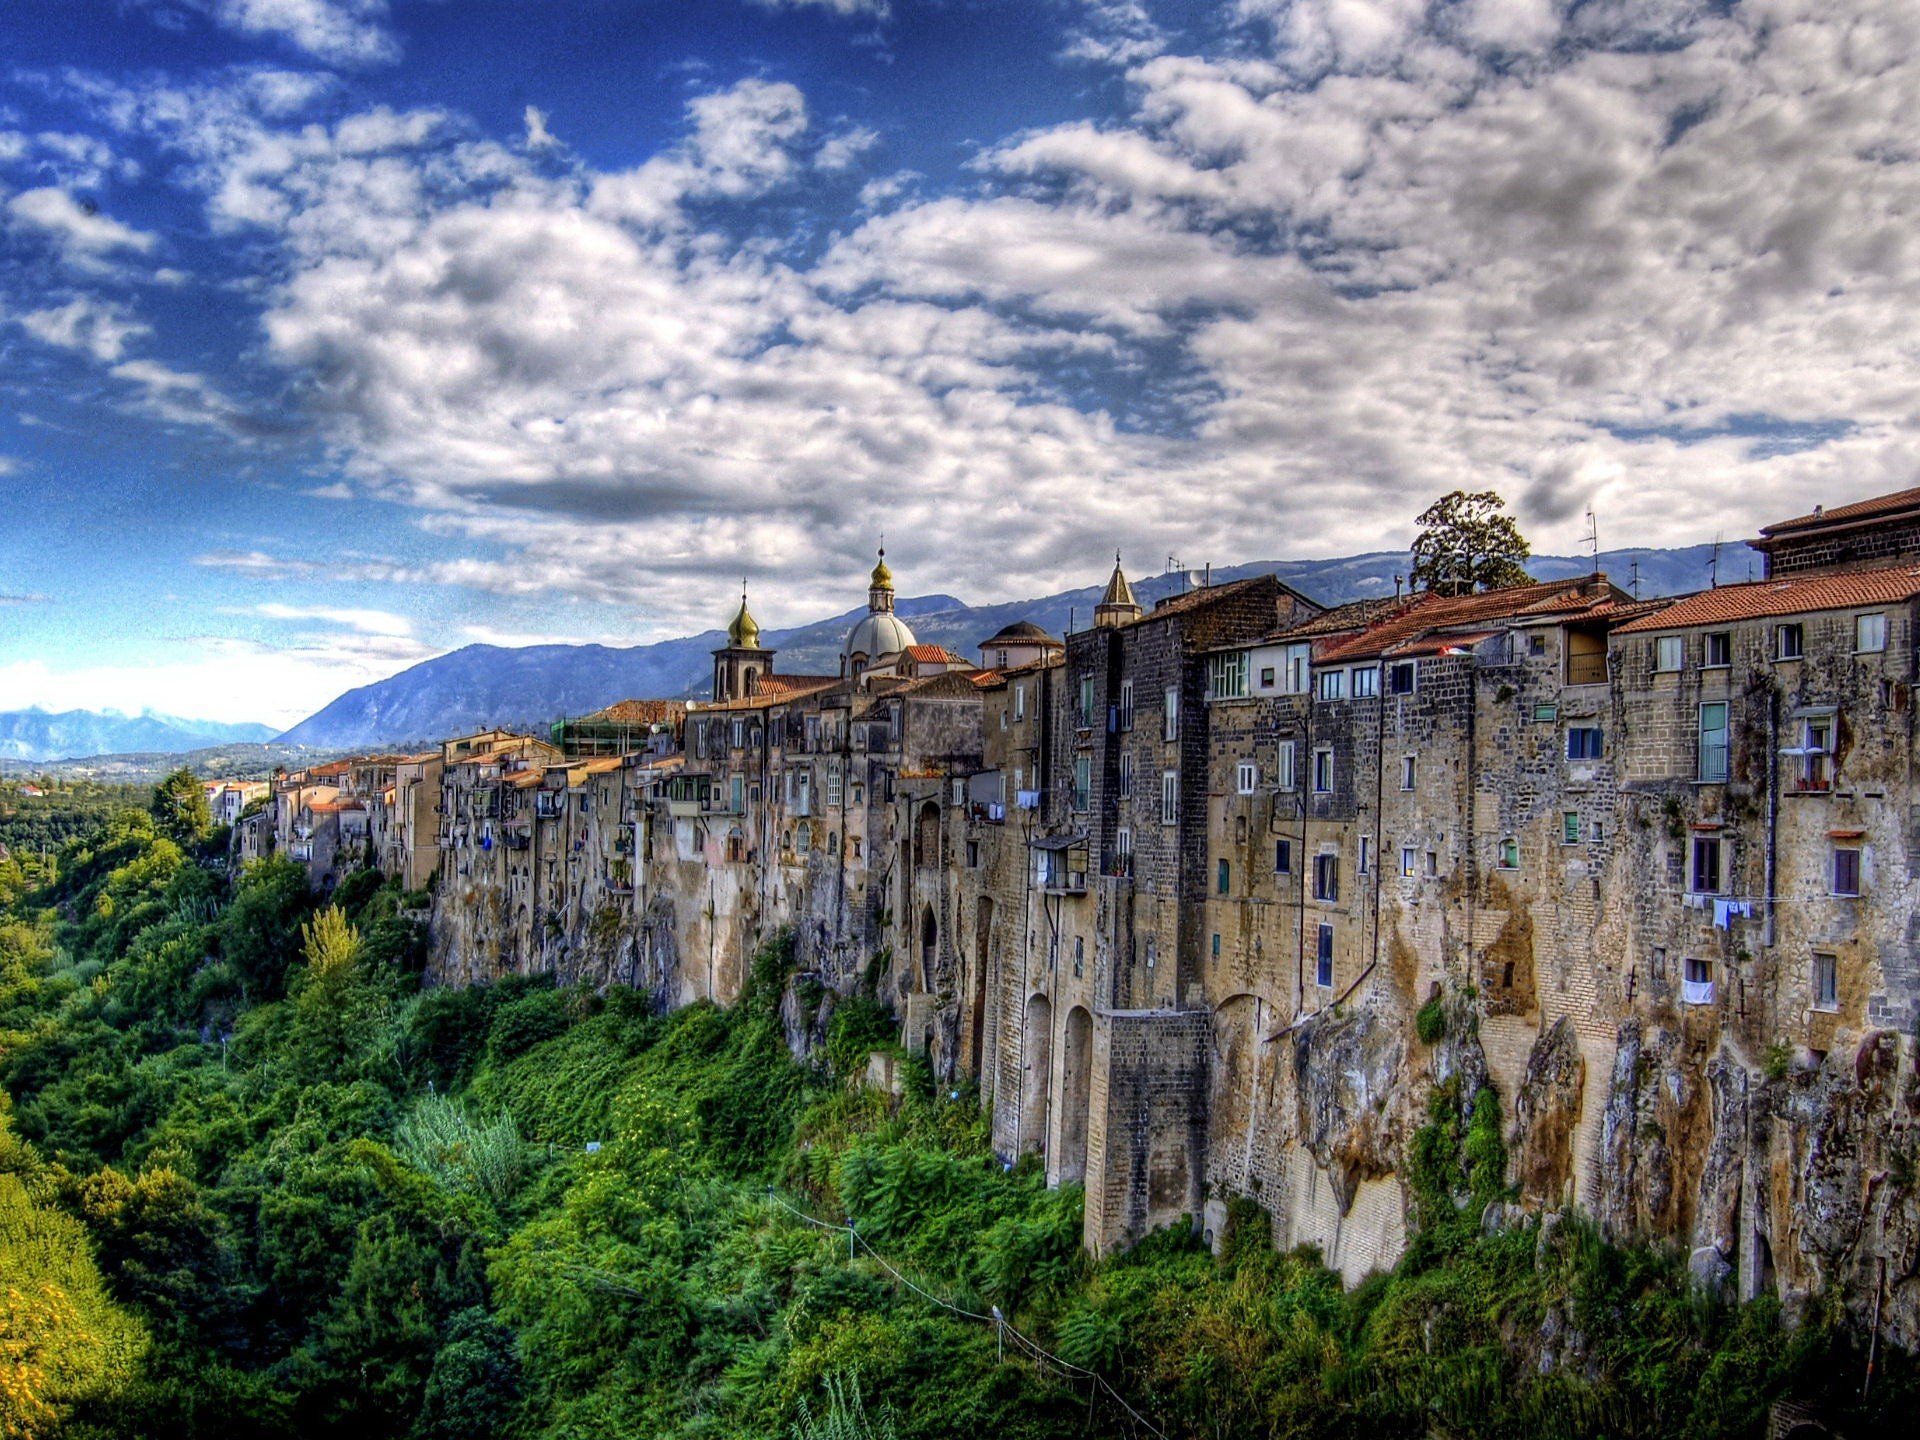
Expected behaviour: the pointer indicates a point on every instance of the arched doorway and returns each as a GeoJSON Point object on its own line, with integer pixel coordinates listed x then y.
{"type": "Point", "coordinates": [926, 837]}
{"type": "Point", "coordinates": [929, 947]}
{"type": "Point", "coordinates": [1037, 1075]}
{"type": "Point", "coordinates": [1076, 1077]}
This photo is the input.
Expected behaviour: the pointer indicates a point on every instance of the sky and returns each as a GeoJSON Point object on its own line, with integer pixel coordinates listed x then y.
{"type": "Point", "coordinates": [337, 334]}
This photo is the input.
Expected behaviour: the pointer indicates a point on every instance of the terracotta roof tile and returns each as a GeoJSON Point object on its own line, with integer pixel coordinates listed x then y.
{"type": "Point", "coordinates": [1842, 514]}
{"type": "Point", "coordinates": [638, 712]}
{"type": "Point", "coordinates": [1428, 613]}
{"type": "Point", "coordinates": [933, 655]}
{"type": "Point", "coordinates": [1791, 595]}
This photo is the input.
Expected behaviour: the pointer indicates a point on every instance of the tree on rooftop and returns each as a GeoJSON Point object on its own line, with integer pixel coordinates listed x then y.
{"type": "Point", "coordinates": [1468, 542]}
{"type": "Point", "coordinates": [180, 807]}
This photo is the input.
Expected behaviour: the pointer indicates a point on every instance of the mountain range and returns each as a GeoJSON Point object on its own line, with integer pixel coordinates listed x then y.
{"type": "Point", "coordinates": [31, 735]}
{"type": "Point", "coordinates": [482, 685]}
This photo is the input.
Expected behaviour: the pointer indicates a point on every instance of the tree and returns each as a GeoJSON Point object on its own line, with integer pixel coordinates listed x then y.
{"type": "Point", "coordinates": [1468, 542]}
{"type": "Point", "coordinates": [180, 807]}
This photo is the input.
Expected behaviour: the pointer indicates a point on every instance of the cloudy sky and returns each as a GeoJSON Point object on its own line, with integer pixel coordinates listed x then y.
{"type": "Point", "coordinates": [339, 333]}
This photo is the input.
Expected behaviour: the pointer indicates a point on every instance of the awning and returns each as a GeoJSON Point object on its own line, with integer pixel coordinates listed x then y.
{"type": "Point", "coordinates": [1057, 842]}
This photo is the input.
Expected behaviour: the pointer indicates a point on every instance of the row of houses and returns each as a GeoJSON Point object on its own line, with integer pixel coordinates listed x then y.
{"type": "Point", "coordinates": [1210, 896]}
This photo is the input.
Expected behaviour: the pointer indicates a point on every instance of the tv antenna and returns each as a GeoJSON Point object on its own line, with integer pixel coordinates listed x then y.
{"type": "Point", "coordinates": [1592, 537]}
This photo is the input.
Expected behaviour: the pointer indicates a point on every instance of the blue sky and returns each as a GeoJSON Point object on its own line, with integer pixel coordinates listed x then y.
{"type": "Point", "coordinates": [340, 333]}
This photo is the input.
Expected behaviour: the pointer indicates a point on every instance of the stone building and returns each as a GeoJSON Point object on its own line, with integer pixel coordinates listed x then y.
{"type": "Point", "coordinates": [1211, 899]}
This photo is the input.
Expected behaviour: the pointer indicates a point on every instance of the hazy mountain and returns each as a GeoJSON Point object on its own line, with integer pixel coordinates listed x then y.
{"type": "Point", "coordinates": [39, 735]}
{"type": "Point", "coordinates": [484, 685]}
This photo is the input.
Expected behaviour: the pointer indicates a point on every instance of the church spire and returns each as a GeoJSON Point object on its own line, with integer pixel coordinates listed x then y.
{"type": "Point", "coordinates": [1117, 606]}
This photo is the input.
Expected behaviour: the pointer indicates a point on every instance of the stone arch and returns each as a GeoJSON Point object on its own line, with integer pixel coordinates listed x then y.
{"type": "Point", "coordinates": [929, 946]}
{"type": "Point", "coordinates": [1036, 1076]}
{"type": "Point", "coordinates": [1076, 1095]}
{"type": "Point", "coordinates": [1233, 1076]}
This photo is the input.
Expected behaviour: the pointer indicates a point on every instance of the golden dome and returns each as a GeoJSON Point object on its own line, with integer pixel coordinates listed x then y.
{"type": "Point", "coordinates": [744, 632]}
{"type": "Point", "coordinates": [882, 576]}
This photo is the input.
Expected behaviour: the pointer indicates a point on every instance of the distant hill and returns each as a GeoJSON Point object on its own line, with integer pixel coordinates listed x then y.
{"type": "Point", "coordinates": [484, 685]}
{"type": "Point", "coordinates": [40, 735]}
{"type": "Point", "coordinates": [248, 761]}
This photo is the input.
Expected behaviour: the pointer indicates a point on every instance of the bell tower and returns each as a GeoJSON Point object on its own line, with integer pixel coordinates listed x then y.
{"type": "Point", "coordinates": [742, 660]}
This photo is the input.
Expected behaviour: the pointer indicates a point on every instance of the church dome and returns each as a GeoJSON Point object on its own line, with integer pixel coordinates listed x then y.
{"type": "Point", "coordinates": [744, 632]}
{"type": "Point", "coordinates": [880, 632]}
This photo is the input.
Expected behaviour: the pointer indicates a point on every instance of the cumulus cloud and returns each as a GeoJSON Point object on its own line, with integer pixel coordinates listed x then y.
{"type": "Point", "coordinates": [1647, 258]}
{"type": "Point", "coordinates": [83, 235]}
{"type": "Point", "coordinates": [878, 9]}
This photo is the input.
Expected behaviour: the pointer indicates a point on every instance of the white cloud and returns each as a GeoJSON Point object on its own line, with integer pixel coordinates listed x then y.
{"type": "Point", "coordinates": [366, 622]}
{"type": "Point", "coordinates": [538, 136]}
{"type": "Point", "coordinates": [83, 234]}
{"type": "Point", "coordinates": [94, 327]}
{"type": "Point", "coordinates": [1367, 253]}
{"type": "Point", "coordinates": [878, 9]}
{"type": "Point", "coordinates": [339, 32]}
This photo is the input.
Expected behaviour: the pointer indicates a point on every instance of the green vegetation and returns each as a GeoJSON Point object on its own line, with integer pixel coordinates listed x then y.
{"type": "Point", "coordinates": [256, 1180]}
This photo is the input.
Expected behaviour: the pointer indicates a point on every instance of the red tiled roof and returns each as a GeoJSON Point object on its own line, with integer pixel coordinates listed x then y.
{"type": "Point", "coordinates": [768, 688]}
{"type": "Point", "coordinates": [933, 655]}
{"type": "Point", "coordinates": [639, 712]}
{"type": "Point", "coordinates": [1428, 613]}
{"type": "Point", "coordinates": [1792, 595]}
{"type": "Point", "coordinates": [1844, 514]}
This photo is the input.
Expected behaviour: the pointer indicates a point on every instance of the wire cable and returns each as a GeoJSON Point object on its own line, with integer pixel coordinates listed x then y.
{"type": "Point", "coordinates": [1025, 1342]}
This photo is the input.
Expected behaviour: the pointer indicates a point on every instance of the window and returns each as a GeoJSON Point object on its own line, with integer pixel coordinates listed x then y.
{"type": "Point", "coordinates": [1079, 954]}
{"type": "Point", "coordinates": [735, 788]}
{"type": "Point", "coordinates": [1713, 741]}
{"type": "Point", "coordinates": [1433, 864]}
{"type": "Point", "coordinates": [1706, 865]}
{"type": "Point", "coordinates": [1284, 777]}
{"type": "Point", "coordinates": [1719, 650]}
{"type": "Point", "coordinates": [1401, 677]}
{"type": "Point", "coordinates": [1409, 770]}
{"type": "Point", "coordinates": [1323, 959]}
{"type": "Point", "coordinates": [1846, 870]}
{"type": "Point", "coordinates": [1170, 721]}
{"type": "Point", "coordinates": [1227, 676]}
{"type": "Point", "coordinates": [1126, 704]}
{"type": "Point", "coordinates": [1789, 642]}
{"type": "Point", "coordinates": [1126, 775]}
{"type": "Point", "coordinates": [1826, 982]}
{"type": "Point", "coordinates": [973, 854]}
{"type": "Point", "coordinates": [1657, 965]}
{"type": "Point", "coordinates": [833, 785]}
{"type": "Point", "coordinates": [1546, 714]}
{"type": "Point", "coordinates": [1584, 742]}
{"type": "Point", "coordinates": [1536, 644]}
{"type": "Point", "coordinates": [1570, 827]}
{"type": "Point", "coordinates": [1366, 683]}
{"type": "Point", "coordinates": [1216, 945]}
{"type": "Point", "coordinates": [1869, 634]}
{"type": "Point", "coordinates": [1365, 857]}
{"type": "Point", "coordinates": [1020, 701]}
{"type": "Point", "coordinates": [1266, 677]}
{"type": "Point", "coordinates": [1669, 652]}
{"type": "Point", "coordinates": [1246, 777]}
{"type": "Point", "coordinates": [1814, 770]}
{"type": "Point", "coordinates": [1283, 857]}
{"type": "Point", "coordinates": [1086, 700]}
{"type": "Point", "coordinates": [1123, 849]}
{"type": "Point", "coordinates": [1406, 862]}
{"type": "Point", "coordinates": [1509, 854]}
{"type": "Point", "coordinates": [1082, 781]}
{"type": "Point", "coordinates": [1296, 667]}
{"type": "Point", "coordinates": [1326, 877]}
{"type": "Point", "coordinates": [1223, 878]}
{"type": "Point", "coordinates": [1169, 797]}
{"type": "Point", "coordinates": [1333, 684]}
{"type": "Point", "coordinates": [1697, 985]}
{"type": "Point", "coordinates": [1323, 772]}
{"type": "Point", "coordinates": [739, 733]}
